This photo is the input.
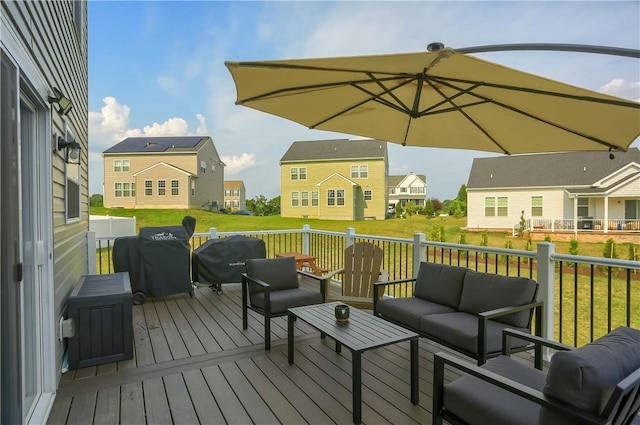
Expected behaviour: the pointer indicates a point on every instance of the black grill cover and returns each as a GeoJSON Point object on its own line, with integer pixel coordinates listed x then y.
{"type": "Point", "coordinates": [157, 259]}
{"type": "Point", "coordinates": [222, 260]}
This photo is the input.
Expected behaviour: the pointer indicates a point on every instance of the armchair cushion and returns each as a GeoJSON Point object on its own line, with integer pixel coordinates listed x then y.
{"type": "Point", "coordinates": [469, 396]}
{"type": "Point", "coordinates": [440, 283]}
{"type": "Point", "coordinates": [461, 330]}
{"type": "Point", "coordinates": [484, 291]}
{"type": "Point", "coordinates": [279, 273]}
{"type": "Point", "coordinates": [287, 298]}
{"type": "Point", "coordinates": [585, 377]}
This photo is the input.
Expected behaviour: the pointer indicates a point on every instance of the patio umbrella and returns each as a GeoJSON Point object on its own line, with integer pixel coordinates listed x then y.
{"type": "Point", "coordinates": [443, 99]}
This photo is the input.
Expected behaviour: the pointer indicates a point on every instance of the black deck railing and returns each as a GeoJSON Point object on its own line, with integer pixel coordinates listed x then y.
{"type": "Point", "coordinates": [585, 297]}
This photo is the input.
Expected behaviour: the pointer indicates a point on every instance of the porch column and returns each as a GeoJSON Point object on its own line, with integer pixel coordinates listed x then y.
{"type": "Point", "coordinates": [575, 217]}
{"type": "Point", "coordinates": [605, 225]}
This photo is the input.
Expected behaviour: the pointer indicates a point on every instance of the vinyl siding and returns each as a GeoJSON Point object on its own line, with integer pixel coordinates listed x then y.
{"type": "Point", "coordinates": [209, 185]}
{"type": "Point", "coordinates": [51, 54]}
{"type": "Point", "coordinates": [517, 201]}
{"type": "Point", "coordinates": [317, 171]}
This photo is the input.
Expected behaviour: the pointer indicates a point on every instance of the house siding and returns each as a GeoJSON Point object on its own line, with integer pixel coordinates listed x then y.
{"type": "Point", "coordinates": [317, 171]}
{"type": "Point", "coordinates": [52, 51]}
{"type": "Point", "coordinates": [184, 166]}
{"type": "Point", "coordinates": [518, 200]}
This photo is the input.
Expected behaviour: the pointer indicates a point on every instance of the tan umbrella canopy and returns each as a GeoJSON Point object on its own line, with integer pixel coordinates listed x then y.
{"type": "Point", "coordinates": [443, 99]}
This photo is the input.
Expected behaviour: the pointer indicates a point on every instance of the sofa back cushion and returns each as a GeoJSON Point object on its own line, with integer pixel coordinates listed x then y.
{"type": "Point", "coordinates": [280, 273]}
{"type": "Point", "coordinates": [585, 377]}
{"type": "Point", "coordinates": [440, 283]}
{"type": "Point", "coordinates": [487, 291]}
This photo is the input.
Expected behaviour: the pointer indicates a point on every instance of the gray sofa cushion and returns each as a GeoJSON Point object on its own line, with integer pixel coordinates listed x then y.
{"type": "Point", "coordinates": [287, 298]}
{"type": "Point", "coordinates": [440, 283]}
{"type": "Point", "coordinates": [486, 291]}
{"type": "Point", "coordinates": [408, 311]}
{"type": "Point", "coordinates": [279, 273]}
{"type": "Point", "coordinates": [478, 402]}
{"type": "Point", "coordinates": [461, 330]}
{"type": "Point", "coordinates": [585, 377]}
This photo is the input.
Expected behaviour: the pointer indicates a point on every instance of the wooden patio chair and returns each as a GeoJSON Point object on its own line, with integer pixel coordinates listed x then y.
{"type": "Point", "coordinates": [362, 267]}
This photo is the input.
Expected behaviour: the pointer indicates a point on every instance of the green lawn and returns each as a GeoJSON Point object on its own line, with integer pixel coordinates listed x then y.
{"type": "Point", "coordinates": [402, 228]}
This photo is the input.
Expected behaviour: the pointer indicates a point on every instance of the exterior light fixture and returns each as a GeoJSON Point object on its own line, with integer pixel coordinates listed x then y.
{"type": "Point", "coordinates": [72, 150]}
{"type": "Point", "coordinates": [64, 103]}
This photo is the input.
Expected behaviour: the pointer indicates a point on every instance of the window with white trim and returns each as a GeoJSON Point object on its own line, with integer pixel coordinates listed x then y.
{"type": "Point", "coordinates": [175, 187]}
{"type": "Point", "coordinates": [203, 167]}
{"type": "Point", "coordinates": [294, 173]}
{"type": "Point", "coordinates": [121, 165]}
{"type": "Point", "coordinates": [335, 197]}
{"type": "Point", "coordinates": [294, 199]}
{"type": "Point", "coordinates": [162, 187]}
{"type": "Point", "coordinates": [302, 173]}
{"type": "Point", "coordinates": [315, 198]}
{"type": "Point", "coordinates": [193, 188]}
{"type": "Point", "coordinates": [503, 206]}
{"type": "Point", "coordinates": [305, 199]}
{"type": "Point", "coordinates": [148, 188]}
{"type": "Point", "coordinates": [583, 207]}
{"type": "Point", "coordinates": [368, 195]}
{"type": "Point", "coordinates": [489, 207]}
{"type": "Point", "coordinates": [536, 206]}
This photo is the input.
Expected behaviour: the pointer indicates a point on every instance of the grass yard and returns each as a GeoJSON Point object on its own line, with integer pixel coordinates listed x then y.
{"type": "Point", "coordinates": [402, 228]}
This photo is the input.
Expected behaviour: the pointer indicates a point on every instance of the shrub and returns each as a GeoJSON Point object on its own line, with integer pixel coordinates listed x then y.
{"type": "Point", "coordinates": [573, 249]}
{"type": "Point", "coordinates": [521, 225]}
{"type": "Point", "coordinates": [547, 238]}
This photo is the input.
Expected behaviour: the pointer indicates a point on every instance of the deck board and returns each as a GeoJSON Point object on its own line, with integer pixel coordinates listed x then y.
{"type": "Point", "coordinates": [194, 364]}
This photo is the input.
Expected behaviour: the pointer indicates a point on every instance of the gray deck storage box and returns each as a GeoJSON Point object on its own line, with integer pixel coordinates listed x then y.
{"type": "Point", "coordinates": [100, 306]}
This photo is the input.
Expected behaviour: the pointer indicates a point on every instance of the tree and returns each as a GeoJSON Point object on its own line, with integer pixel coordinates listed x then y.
{"type": "Point", "coordinates": [437, 205]}
{"type": "Point", "coordinates": [428, 208]}
{"type": "Point", "coordinates": [96, 200]}
{"type": "Point", "coordinates": [260, 206]}
{"type": "Point", "coordinates": [410, 208]}
{"type": "Point", "coordinates": [462, 194]}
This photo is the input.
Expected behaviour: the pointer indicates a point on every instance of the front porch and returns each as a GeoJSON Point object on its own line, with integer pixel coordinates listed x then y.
{"type": "Point", "coordinates": [193, 364]}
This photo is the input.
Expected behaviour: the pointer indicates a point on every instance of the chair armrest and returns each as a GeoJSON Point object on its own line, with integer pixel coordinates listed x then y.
{"type": "Point", "coordinates": [441, 359]}
{"type": "Point", "coordinates": [379, 289]}
{"type": "Point", "coordinates": [322, 280]}
{"type": "Point", "coordinates": [534, 339]}
{"type": "Point", "coordinates": [250, 280]}
{"type": "Point", "coordinates": [485, 316]}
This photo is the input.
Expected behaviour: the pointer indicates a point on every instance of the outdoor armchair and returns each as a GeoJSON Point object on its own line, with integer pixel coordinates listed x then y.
{"type": "Point", "coordinates": [270, 286]}
{"type": "Point", "coordinates": [598, 383]}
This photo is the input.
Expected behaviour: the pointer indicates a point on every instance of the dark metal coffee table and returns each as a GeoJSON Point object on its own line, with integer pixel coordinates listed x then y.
{"type": "Point", "coordinates": [362, 332]}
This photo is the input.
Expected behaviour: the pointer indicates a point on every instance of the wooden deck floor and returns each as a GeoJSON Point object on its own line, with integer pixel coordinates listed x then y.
{"type": "Point", "coordinates": [193, 364]}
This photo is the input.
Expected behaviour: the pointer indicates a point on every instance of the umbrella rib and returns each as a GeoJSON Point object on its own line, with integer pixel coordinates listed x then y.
{"type": "Point", "coordinates": [444, 80]}
{"type": "Point", "coordinates": [527, 114]}
{"type": "Point", "coordinates": [287, 90]}
{"type": "Point", "coordinates": [374, 97]}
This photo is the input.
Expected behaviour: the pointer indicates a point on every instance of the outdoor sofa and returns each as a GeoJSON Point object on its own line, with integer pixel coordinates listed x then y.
{"type": "Point", "coordinates": [598, 383]}
{"type": "Point", "coordinates": [462, 309]}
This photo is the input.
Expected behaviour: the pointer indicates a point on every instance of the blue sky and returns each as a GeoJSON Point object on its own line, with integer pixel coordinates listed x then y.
{"type": "Point", "coordinates": [157, 67]}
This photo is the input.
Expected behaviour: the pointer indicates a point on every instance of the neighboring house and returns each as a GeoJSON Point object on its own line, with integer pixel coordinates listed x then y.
{"type": "Point", "coordinates": [163, 172]}
{"type": "Point", "coordinates": [335, 180]}
{"type": "Point", "coordinates": [235, 196]}
{"type": "Point", "coordinates": [407, 188]}
{"type": "Point", "coordinates": [555, 191]}
{"type": "Point", "coordinates": [44, 208]}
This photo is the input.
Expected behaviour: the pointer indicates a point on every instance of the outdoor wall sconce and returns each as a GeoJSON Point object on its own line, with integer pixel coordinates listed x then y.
{"type": "Point", "coordinates": [72, 150]}
{"type": "Point", "coordinates": [64, 103]}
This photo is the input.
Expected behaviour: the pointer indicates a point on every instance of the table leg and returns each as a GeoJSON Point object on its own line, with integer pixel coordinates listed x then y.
{"type": "Point", "coordinates": [290, 320]}
{"type": "Point", "coordinates": [356, 373]}
{"type": "Point", "coordinates": [415, 367]}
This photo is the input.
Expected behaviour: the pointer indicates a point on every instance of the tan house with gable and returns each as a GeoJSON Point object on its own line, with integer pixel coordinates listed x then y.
{"type": "Point", "coordinates": [335, 180]}
{"type": "Point", "coordinates": [164, 172]}
{"type": "Point", "coordinates": [235, 196]}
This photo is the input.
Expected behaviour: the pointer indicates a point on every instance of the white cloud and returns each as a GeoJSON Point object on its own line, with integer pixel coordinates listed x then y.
{"type": "Point", "coordinates": [622, 88]}
{"type": "Point", "coordinates": [235, 164]}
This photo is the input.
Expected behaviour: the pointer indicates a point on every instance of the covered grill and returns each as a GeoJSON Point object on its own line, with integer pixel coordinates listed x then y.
{"type": "Point", "coordinates": [219, 261]}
